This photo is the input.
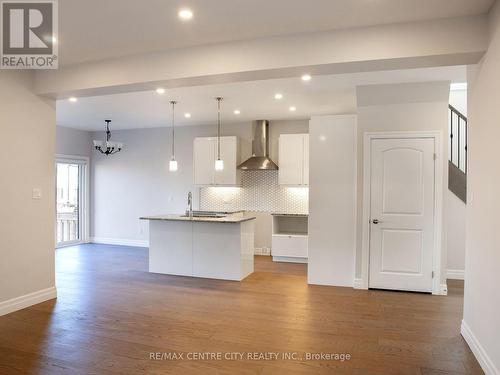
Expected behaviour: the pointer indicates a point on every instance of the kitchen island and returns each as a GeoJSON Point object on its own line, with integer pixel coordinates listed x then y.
{"type": "Point", "coordinates": [217, 247]}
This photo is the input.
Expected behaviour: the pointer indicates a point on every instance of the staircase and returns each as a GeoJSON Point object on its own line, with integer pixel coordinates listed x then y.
{"type": "Point", "coordinates": [457, 161]}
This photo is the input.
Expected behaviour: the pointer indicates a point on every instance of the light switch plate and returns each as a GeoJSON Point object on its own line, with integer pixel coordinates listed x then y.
{"type": "Point", "coordinates": [37, 193]}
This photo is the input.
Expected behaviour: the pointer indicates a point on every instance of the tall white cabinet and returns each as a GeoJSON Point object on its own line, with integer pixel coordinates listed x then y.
{"type": "Point", "coordinates": [294, 159]}
{"type": "Point", "coordinates": [204, 156]}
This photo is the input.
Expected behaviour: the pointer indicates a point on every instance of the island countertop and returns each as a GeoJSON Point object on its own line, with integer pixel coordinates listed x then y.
{"type": "Point", "coordinates": [288, 214]}
{"type": "Point", "coordinates": [230, 218]}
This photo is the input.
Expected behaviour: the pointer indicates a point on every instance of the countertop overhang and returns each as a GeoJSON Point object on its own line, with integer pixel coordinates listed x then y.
{"type": "Point", "coordinates": [287, 214]}
{"type": "Point", "coordinates": [231, 218]}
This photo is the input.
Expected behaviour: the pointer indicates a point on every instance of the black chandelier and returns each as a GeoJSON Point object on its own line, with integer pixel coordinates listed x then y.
{"type": "Point", "coordinates": [108, 147]}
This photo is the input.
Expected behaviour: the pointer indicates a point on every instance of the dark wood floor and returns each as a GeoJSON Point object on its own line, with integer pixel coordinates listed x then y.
{"type": "Point", "coordinates": [111, 314]}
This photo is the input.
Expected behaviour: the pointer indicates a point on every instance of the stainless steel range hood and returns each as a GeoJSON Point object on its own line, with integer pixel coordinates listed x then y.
{"type": "Point", "coordinates": [260, 149]}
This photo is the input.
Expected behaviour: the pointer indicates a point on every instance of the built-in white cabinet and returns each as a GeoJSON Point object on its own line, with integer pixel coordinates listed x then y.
{"type": "Point", "coordinates": [203, 161]}
{"type": "Point", "coordinates": [289, 238]}
{"type": "Point", "coordinates": [293, 159]}
{"type": "Point", "coordinates": [204, 155]}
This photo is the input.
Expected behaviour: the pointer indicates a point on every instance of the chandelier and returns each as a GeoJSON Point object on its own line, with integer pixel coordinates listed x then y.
{"type": "Point", "coordinates": [107, 147]}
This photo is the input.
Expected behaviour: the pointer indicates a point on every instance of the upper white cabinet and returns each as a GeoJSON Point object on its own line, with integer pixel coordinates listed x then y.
{"type": "Point", "coordinates": [294, 159]}
{"type": "Point", "coordinates": [204, 155]}
{"type": "Point", "coordinates": [203, 161]}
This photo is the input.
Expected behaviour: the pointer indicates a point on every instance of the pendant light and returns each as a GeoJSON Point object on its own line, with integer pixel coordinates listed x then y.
{"type": "Point", "coordinates": [172, 165]}
{"type": "Point", "coordinates": [219, 163]}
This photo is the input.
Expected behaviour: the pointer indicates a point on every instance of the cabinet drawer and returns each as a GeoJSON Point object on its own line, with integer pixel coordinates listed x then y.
{"type": "Point", "coordinates": [289, 246]}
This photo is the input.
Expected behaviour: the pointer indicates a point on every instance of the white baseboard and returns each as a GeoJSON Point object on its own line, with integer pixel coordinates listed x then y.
{"type": "Point", "coordinates": [18, 303]}
{"type": "Point", "coordinates": [359, 284]}
{"type": "Point", "coordinates": [443, 290]}
{"type": "Point", "coordinates": [119, 241]}
{"type": "Point", "coordinates": [455, 274]}
{"type": "Point", "coordinates": [289, 259]}
{"type": "Point", "coordinates": [486, 363]}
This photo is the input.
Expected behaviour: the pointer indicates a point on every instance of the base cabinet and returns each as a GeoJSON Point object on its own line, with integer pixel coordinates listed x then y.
{"type": "Point", "coordinates": [178, 260]}
{"type": "Point", "coordinates": [223, 251]}
{"type": "Point", "coordinates": [290, 238]}
{"type": "Point", "coordinates": [289, 245]}
{"type": "Point", "coordinates": [200, 249]}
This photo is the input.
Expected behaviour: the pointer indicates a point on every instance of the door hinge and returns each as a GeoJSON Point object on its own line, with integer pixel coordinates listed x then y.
{"type": "Point", "coordinates": [432, 274]}
{"type": "Point", "coordinates": [435, 156]}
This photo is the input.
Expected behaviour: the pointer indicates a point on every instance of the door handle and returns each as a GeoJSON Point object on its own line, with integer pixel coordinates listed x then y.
{"type": "Point", "coordinates": [376, 221]}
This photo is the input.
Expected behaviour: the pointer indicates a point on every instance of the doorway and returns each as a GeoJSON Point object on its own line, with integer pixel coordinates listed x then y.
{"type": "Point", "coordinates": [401, 210]}
{"type": "Point", "coordinates": [71, 200]}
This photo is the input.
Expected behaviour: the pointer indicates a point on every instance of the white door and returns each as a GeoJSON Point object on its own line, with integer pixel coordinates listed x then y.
{"type": "Point", "coordinates": [402, 214]}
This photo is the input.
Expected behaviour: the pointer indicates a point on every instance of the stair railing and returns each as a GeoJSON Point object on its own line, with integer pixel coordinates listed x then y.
{"type": "Point", "coordinates": [458, 147]}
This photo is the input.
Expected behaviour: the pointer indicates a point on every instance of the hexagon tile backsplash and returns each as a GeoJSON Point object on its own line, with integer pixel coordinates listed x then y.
{"type": "Point", "coordinates": [259, 191]}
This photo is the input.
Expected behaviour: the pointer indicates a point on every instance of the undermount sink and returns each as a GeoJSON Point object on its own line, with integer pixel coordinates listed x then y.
{"type": "Point", "coordinates": [205, 214]}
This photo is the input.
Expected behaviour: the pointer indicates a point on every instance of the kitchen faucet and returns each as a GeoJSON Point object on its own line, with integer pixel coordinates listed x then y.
{"type": "Point", "coordinates": [189, 210]}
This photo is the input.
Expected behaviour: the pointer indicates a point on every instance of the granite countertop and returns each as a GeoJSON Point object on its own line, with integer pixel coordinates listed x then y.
{"type": "Point", "coordinates": [230, 218]}
{"type": "Point", "coordinates": [285, 214]}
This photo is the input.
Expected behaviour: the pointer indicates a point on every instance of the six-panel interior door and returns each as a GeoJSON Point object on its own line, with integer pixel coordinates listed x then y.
{"type": "Point", "coordinates": [402, 214]}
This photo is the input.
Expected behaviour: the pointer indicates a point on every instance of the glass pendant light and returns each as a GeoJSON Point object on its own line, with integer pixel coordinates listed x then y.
{"type": "Point", "coordinates": [219, 163]}
{"type": "Point", "coordinates": [172, 166]}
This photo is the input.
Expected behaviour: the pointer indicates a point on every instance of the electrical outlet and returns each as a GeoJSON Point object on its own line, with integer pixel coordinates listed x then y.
{"type": "Point", "coordinates": [36, 193]}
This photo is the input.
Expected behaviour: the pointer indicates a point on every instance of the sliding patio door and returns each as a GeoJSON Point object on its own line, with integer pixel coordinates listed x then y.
{"type": "Point", "coordinates": [71, 192]}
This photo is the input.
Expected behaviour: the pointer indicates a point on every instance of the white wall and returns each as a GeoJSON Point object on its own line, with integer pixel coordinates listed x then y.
{"type": "Point", "coordinates": [136, 181]}
{"type": "Point", "coordinates": [332, 207]}
{"type": "Point", "coordinates": [27, 124]}
{"type": "Point", "coordinates": [455, 208]}
{"type": "Point", "coordinates": [73, 142]}
{"type": "Point", "coordinates": [402, 107]}
{"type": "Point", "coordinates": [458, 99]}
{"type": "Point", "coordinates": [455, 233]}
{"type": "Point", "coordinates": [481, 323]}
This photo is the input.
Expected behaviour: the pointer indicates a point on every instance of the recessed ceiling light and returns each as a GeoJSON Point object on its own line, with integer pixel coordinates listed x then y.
{"type": "Point", "coordinates": [306, 77]}
{"type": "Point", "coordinates": [185, 14]}
{"type": "Point", "coordinates": [292, 109]}
{"type": "Point", "coordinates": [160, 90]}
{"type": "Point", "coordinates": [237, 112]}
{"type": "Point", "coordinates": [73, 99]}
{"type": "Point", "coordinates": [278, 96]}
{"type": "Point", "coordinates": [187, 115]}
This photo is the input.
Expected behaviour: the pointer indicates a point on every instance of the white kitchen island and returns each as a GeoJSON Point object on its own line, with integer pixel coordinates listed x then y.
{"type": "Point", "coordinates": [209, 247]}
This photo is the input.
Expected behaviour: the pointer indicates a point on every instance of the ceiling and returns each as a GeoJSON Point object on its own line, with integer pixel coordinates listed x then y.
{"type": "Point", "coordinates": [99, 29]}
{"type": "Point", "coordinates": [329, 94]}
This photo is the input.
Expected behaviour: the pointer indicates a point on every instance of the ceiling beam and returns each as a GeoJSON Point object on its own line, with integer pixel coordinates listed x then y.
{"type": "Point", "coordinates": [455, 41]}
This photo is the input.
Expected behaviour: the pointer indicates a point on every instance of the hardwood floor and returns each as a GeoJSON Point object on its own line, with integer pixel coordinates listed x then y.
{"type": "Point", "coordinates": [111, 314]}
